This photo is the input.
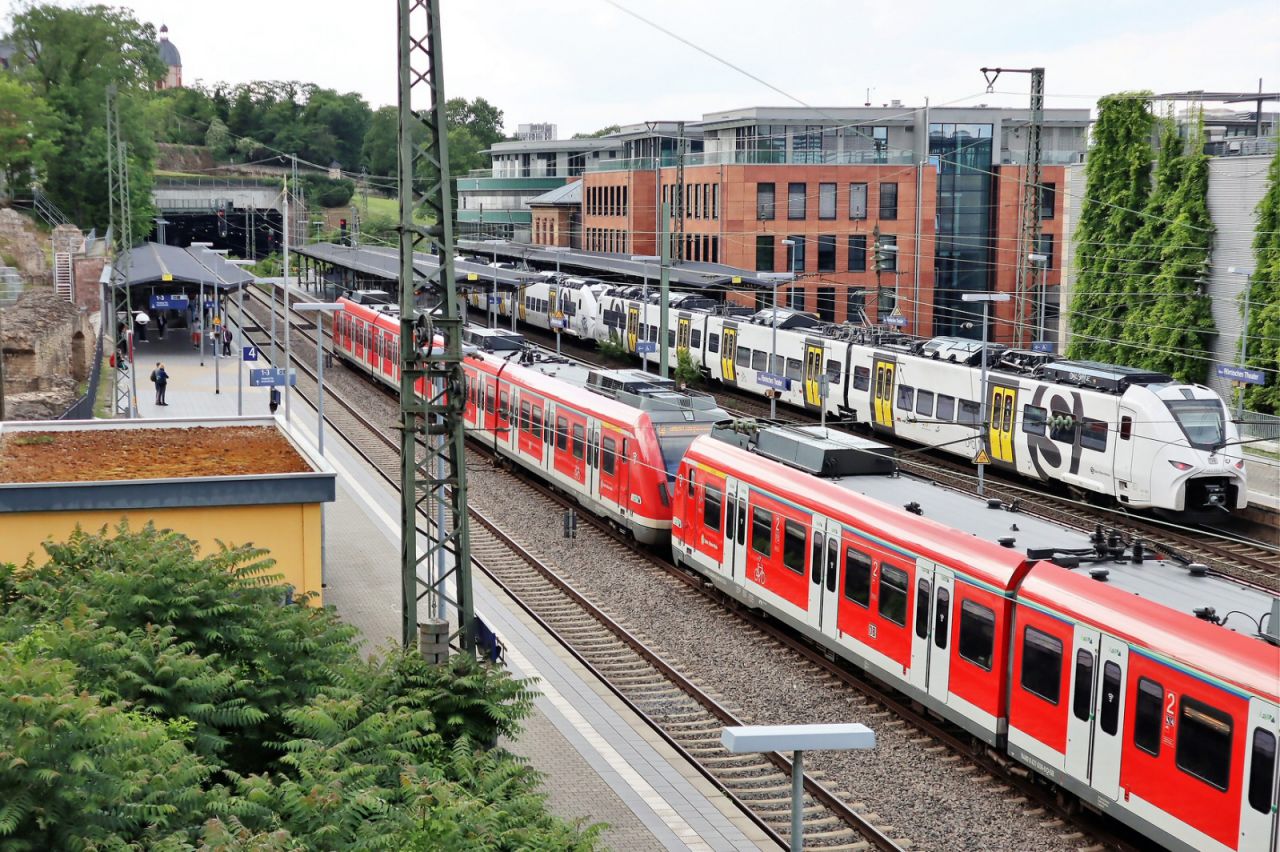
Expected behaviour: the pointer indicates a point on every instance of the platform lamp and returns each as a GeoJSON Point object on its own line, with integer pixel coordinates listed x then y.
{"type": "Point", "coordinates": [557, 251]}
{"type": "Point", "coordinates": [983, 432]}
{"type": "Point", "coordinates": [647, 259]}
{"type": "Point", "coordinates": [776, 278]}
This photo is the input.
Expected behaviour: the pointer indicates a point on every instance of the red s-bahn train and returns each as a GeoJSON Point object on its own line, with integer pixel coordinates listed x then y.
{"type": "Point", "coordinates": [1082, 660]}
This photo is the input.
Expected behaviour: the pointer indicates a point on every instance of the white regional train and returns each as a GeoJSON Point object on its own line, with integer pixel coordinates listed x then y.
{"type": "Point", "coordinates": [1136, 436]}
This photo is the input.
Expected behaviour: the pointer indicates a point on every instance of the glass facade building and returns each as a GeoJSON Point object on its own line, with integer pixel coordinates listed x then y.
{"type": "Point", "coordinates": [962, 153]}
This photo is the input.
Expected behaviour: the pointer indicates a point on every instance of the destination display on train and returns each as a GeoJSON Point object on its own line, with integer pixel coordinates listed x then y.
{"type": "Point", "coordinates": [666, 430]}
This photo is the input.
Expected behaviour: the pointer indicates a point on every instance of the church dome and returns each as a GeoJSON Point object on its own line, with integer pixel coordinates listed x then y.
{"type": "Point", "coordinates": [168, 53]}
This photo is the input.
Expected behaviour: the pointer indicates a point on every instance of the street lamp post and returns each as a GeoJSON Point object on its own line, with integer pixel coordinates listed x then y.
{"type": "Point", "coordinates": [557, 250]}
{"type": "Point", "coordinates": [647, 259]}
{"type": "Point", "coordinates": [493, 296]}
{"type": "Point", "coordinates": [777, 278]}
{"type": "Point", "coordinates": [983, 432]}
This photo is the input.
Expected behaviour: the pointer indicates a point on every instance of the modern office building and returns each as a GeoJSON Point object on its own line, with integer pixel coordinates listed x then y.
{"type": "Point", "coordinates": [772, 188]}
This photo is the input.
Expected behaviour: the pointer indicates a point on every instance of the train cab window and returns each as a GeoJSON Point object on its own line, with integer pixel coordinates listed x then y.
{"type": "Point", "coordinates": [922, 608]}
{"type": "Point", "coordinates": [1042, 664]}
{"type": "Point", "coordinates": [893, 594]}
{"type": "Point", "coordinates": [1033, 419]}
{"type": "Point", "coordinates": [977, 633]}
{"type": "Point", "coordinates": [924, 403]}
{"type": "Point", "coordinates": [833, 371]}
{"type": "Point", "coordinates": [969, 412]}
{"type": "Point", "coordinates": [1093, 435]}
{"type": "Point", "coordinates": [1262, 770]}
{"type": "Point", "coordinates": [761, 531]}
{"type": "Point", "coordinates": [1082, 700]}
{"type": "Point", "coordinates": [1126, 428]}
{"type": "Point", "coordinates": [744, 357]}
{"type": "Point", "coordinates": [1204, 743]}
{"type": "Point", "coordinates": [946, 408]}
{"type": "Point", "coordinates": [795, 370]}
{"type": "Point", "coordinates": [579, 442]}
{"type": "Point", "coordinates": [1062, 427]}
{"type": "Point", "coordinates": [857, 577]}
{"type": "Point", "coordinates": [1147, 715]}
{"type": "Point", "coordinates": [537, 422]}
{"type": "Point", "coordinates": [793, 544]}
{"type": "Point", "coordinates": [759, 360]}
{"type": "Point", "coordinates": [607, 463]}
{"type": "Point", "coordinates": [690, 484]}
{"type": "Point", "coordinates": [562, 433]}
{"type": "Point", "coordinates": [712, 506]}
{"type": "Point", "coordinates": [815, 559]}
{"type": "Point", "coordinates": [1109, 713]}
{"type": "Point", "coordinates": [942, 618]}
{"type": "Point", "coordinates": [713, 342]}
{"type": "Point", "coordinates": [695, 339]}
{"type": "Point", "coordinates": [906, 397]}
{"type": "Point", "coordinates": [861, 378]}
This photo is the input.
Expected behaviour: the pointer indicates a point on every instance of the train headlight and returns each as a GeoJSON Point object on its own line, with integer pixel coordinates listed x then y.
{"type": "Point", "coordinates": [1180, 465]}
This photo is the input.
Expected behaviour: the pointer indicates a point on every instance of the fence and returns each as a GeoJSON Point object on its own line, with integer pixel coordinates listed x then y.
{"type": "Point", "coordinates": [83, 409]}
{"type": "Point", "coordinates": [1257, 425]}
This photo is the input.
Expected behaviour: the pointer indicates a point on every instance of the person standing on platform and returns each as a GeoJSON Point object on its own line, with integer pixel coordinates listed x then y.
{"type": "Point", "coordinates": [140, 320]}
{"type": "Point", "coordinates": [160, 323]}
{"type": "Point", "coordinates": [227, 337]}
{"type": "Point", "coordinates": [161, 378]}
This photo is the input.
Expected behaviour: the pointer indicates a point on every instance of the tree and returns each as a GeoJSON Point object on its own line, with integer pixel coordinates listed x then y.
{"type": "Point", "coordinates": [1264, 298]}
{"type": "Point", "coordinates": [27, 134]}
{"type": "Point", "coordinates": [603, 131]}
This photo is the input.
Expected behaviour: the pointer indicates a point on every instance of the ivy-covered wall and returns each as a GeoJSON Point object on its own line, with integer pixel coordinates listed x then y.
{"type": "Point", "coordinates": [1264, 298]}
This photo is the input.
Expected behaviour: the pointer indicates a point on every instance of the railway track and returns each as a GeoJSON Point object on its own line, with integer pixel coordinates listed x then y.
{"type": "Point", "coordinates": [684, 714]}
{"type": "Point", "coordinates": [690, 718]}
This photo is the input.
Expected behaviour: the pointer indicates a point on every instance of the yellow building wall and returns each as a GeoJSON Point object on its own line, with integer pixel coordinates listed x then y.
{"type": "Point", "coordinates": [291, 532]}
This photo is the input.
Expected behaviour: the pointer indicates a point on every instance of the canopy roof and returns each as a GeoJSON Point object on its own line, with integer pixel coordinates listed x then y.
{"type": "Point", "coordinates": [154, 263]}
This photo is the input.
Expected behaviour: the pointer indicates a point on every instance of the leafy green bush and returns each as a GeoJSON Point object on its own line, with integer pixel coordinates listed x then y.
{"type": "Point", "coordinates": [329, 192]}
{"type": "Point", "coordinates": [687, 372]}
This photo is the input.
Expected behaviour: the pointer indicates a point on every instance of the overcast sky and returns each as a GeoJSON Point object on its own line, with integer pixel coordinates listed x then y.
{"type": "Point", "coordinates": [583, 64]}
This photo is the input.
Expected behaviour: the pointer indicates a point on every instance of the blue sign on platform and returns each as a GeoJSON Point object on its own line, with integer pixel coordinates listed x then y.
{"type": "Point", "coordinates": [495, 300]}
{"type": "Point", "coordinates": [898, 321]}
{"type": "Point", "coordinates": [773, 380]}
{"type": "Point", "coordinates": [177, 303]}
{"type": "Point", "coordinates": [269, 377]}
{"type": "Point", "coordinates": [557, 323]}
{"type": "Point", "coordinates": [1042, 346]}
{"type": "Point", "coordinates": [644, 346]}
{"type": "Point", "coordinates": [249, 353]}
{"type": "Point", "coordinates": [1242, 374]}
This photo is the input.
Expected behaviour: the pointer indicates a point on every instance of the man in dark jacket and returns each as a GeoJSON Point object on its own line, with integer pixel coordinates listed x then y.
{"type": "Point", "coordinates": [161, 378]}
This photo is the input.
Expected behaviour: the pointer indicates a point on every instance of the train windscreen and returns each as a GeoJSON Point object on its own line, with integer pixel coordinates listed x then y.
{"type": "Point", "coordinates": [674, 440]}
{"type": "Point", "coordinates": [1201, 421]}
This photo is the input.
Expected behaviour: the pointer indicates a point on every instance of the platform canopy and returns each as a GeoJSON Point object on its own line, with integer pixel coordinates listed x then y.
{"type": "Point", "coordinates": [382, 263]}
{"type": "Point", "coordinates": [158, 268]}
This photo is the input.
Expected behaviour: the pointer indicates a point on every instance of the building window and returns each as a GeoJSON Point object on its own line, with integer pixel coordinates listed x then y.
{"type": "Point", "coordinates": [796, 200]}
{"type": "Point", "coordinates": [795, 298]}
{"type": "Point", "coordinates": [857, 252]}
{"type": "Point", "coordinates": [764, 201]}
{"type": "Point", "coordinates": [827, 252]}
{"type": "Point", "coordinates": [826, 201]}
{"type": "Point", "coordinates": [1048, 195]}
{"type": "Point", "coordinates": [1044, 246]}
{"type": "Point", "coordinates": [888, 201]}
{"type": "Point", "coordinates": [764, 253]}
{"type": "Point", "coordinates": [857, 201]}
{"type": "Point", "coordinates": [1042, 664]}
{"type": "Point", "coordinates": [795, 253]}
{"type": "Point", "coordinates": [827, 309]}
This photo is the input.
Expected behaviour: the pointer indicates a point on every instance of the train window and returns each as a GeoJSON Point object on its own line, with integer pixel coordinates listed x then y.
{"type": "Point", "coordinates": [695, 339]}
{"type": "Point", "coordinates": [1204, 743]}
{"type": "Point", "coordinates": [713, 342]}
{"type": "Point", "coordinates": [793, 546]}
{"type": "Point", "coordinates": [607, 462]}
{"type": "Point", "coordinates": [744, 357]}
{"type": "Point", "coordinates": [761, 531]}
{"type": "Point", "coordinates": [857, 577]}
{"type": "Point", "coordinates": [742, 521]}
{"type": "Point", "coordinates": [537, 421]}
{"type": "Point", "coordinates": [1126, 428]}
{"type": "Point", "coordinates": [653, 334]}
{"type": "Point", "coordinates": [833, 371]}
{"type": "Point", "coordinates": [562, 433]}
{"type": "Point", "coordinates": [1042, 664]}
{"type": "Point", "coordinates": [671, 337]}
{"type": "Point", "coordinates": [969, 412]}
{"type": "Point", "coordinates": [504, 405]}
{"type": "Point", "coordinates": [730, 520]}
{"type": "Point", "coordinates": [906, 397]}
{"type": "Point", "coordinates": [893, 594]}
{"type": "Point", "coordinates": [1033, 419]}
{"type": "Point", "coordinates": [1093, 435]}
{"type": "Point", "coordinates": [1147, 716]}
{"type": "Point", "coordinates": [579, 442]}
{"type": "Point", "coordinates": [922, 608]}
{"type": "Point", "coordinates": [942, 617]}
{"type": "Point", "coordinates": [690, 484]}
{"type": "Point", "coordinates": [924, 403]}
{"type": "Point", "coordinates": [815, 559]}
{"type": "Point", "coordinates": [1082, 701]}
{"type": "Point", "coordinates": [861, 378]}
{"type": "Point", "coordinates": [1262, 770]}
{"type": "Point", "coordinates": [833, 563]}
{"type": "Point", "coordinates": [1062, 427]}
{"type": "Point", "coordinates": [977, 633]}
{"type": "Point", "coordinates": [1109, 714]}
{"type": "Point", "coordinates": [712, 505]}
{"type": "Point", "coordinates": [759, 360]}
{"type": "Point", "coordinates": [946, 408]}
{"type": "Point", "coordinates": [795, 370]}
{"type": "Point", "coordinates": [488, 399]}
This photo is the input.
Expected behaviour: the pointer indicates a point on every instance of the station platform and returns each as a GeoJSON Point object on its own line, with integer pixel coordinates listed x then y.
{"type": "Point", "coordinates": [600, 761]}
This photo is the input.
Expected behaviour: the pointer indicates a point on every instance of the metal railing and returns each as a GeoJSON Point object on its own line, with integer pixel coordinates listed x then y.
{"type": "Point", "coordinates": [1255, 424]}
{"type": "Point", "coordinates": [761, 158]}
{"type": "Point", "coordinates": [83, 407]}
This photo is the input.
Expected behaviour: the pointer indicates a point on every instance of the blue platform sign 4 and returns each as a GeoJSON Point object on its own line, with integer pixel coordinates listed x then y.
{"type": "Point", "coordinates": [269, 377]}
{"type": "Point", "coordinates": [1242, 374]}
{"type": "Point", "coordinates": [644, 346]}
{"type": "Point", "coordinates": [1042, 346]}
{"type": "Point", "coordinates": [177, 303]}
{"type": "Point", "coordinates": [250, 353]}
{"type": "Point", "coordinates": [774, 381]}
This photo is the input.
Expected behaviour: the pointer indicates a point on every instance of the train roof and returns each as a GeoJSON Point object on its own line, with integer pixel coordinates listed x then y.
{"type": "Point", "coordinates": [1148, 620]}
{"type": "Point", "coordinates": [550, 379]}
{"type": "Point", "coordinates": [636, 389]}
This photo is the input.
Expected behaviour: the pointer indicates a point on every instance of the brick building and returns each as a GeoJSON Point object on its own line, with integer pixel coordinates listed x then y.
{"type": "Point", "coordinates": [832, 180]}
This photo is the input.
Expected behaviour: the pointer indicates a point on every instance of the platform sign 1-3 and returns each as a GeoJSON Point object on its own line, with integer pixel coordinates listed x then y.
{"type": "Point", "coordinates": [249, 353]}
{"type": "Point", "coordinates": [176, 303]}
{"type": "Point", "coordinates": [773, 380]}
{"type": "Point", "coordinates": [1241, 374]}
{"type": "Point", "coordinates": [269, 377]}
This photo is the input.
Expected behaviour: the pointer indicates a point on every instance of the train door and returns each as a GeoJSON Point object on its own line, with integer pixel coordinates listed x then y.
{"type": "Point", "coordinates": [610, 447]}
{"type": "Point", "coordinates": [919, 673]}
{"type": "Point", "coordinates": [1108, 740]}
{"type": "Point", "coordinates": [502, 423]}
{"type": "Point", "coordinates": [633, 327]}
{"type": "Point", "coordinates": [1001, 408]}
{"type": "Point", "coordinates": [1258, 818]}
{"type": "Point", "coordinates": [813, 369]}
{"type": "Point", "coordinates": [735, 553]}
{"type": "Point", "coordinates": [728, 349]}
{"type": "Point", "coordinates": [940, 634]}
{"type": "Point", "coordinates": [1123, 449]}
{"type": "Point", "coordinates": [882, 393]}
{"type": "Point", "coordinates": [683, 328]}
{"type": "Point", "coordinates": [1083, 692]}
{"type": "Point", "coordinates": [593, 464]}
{"type": "Point", "coordinates": [826, 537]}
{"type": "Point", "coordinates": [830, 592]}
